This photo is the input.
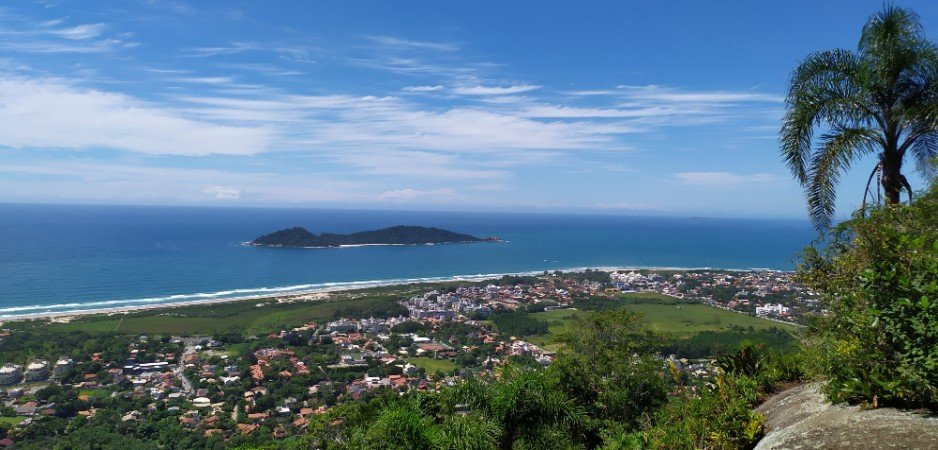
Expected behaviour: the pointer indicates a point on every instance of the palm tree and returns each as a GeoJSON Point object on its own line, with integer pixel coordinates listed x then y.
{"type": "Point", "coordinates": [881, 99]}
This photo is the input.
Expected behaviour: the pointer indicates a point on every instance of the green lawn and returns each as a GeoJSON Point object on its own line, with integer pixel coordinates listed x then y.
{"type": "Point", "coordinates": [432, 365]}
{"type": "Point", "coordinates": [11, 421]}
{"type": "Point", "coordinates": [96, 393]}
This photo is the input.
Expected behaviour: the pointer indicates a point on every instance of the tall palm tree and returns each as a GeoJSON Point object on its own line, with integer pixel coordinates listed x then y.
{"type": "Point", "coordinates": [881, 99]}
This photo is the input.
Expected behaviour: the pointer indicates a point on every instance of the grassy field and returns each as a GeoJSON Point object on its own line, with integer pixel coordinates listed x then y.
{"type": "Point", "coordinates": [432, 365]}
{"type": "Point", "coordinates": [663, 314]}
{"type": "Point", "coordinates": [249, 317]}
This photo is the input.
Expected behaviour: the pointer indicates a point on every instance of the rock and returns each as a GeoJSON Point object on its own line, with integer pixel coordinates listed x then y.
{"type": "Point", "coordinates": [801, 418]}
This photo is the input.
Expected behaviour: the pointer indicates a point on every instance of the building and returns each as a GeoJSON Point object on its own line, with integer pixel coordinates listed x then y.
{"type": "Point", "coordinates": [10, 374]}
{"type": "Point", "coordinates": [62, 366]}
{"type": "Point", "coordinates": [37, 371]}
{"type": "Point", "coordinates": [135, 369]}
{"type": "Point", "coordinates": [771, 309]}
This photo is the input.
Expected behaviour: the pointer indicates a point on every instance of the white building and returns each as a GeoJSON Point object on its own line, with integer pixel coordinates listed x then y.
{"type": "Point", "coordinates": [10, 374]}
{"type": "Point", "coordinates": [37, 371]}
{"type": "Point", "coordinates": [62, 366]}
{"type": "Point", "coordinates": [771, 309]}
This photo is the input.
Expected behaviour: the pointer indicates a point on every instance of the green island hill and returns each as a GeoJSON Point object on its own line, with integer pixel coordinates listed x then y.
{"type": "Point", "coordinates": [397, 235]}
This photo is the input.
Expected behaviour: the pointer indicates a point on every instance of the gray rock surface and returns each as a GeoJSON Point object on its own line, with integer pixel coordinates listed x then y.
{"type": "Point", "coordinates": [800, 418]}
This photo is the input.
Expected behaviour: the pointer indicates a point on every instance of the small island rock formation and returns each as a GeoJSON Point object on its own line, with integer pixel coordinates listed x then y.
{"type": "Point", "coordinates": [397, 235]}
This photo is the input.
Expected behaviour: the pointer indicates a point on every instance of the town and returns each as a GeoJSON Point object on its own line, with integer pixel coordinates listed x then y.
{"type": "Point", "coordinates": [232, 387]}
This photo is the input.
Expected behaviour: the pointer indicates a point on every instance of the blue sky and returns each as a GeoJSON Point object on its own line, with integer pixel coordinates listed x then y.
{"type": "Point", "coordinates": [614, 107]}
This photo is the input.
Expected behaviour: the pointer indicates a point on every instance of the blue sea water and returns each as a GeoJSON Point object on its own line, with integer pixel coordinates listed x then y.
{"type": "Point", "coordinates": [56, 258]}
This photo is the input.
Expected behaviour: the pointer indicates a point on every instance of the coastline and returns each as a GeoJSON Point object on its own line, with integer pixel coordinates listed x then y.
{"type": "Point", "coordinates": [310, 292]}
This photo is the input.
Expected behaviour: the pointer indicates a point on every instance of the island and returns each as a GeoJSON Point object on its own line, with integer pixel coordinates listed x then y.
{"type": "Point", "coordinates": [397, 235]}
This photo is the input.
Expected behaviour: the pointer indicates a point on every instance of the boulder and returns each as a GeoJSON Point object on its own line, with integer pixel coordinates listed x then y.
{"type": "Point", "coordinates": [801, 418]}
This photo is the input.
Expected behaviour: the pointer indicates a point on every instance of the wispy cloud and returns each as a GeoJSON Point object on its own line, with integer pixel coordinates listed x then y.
{"type": "Point", "coordinates": [51, 113]}
{"type": "Point", "coordinates": [133, 183]}
{"type": "Point", "coordinates": [79, 32]}
{"type": "Point", "coordinates": [724, 178]}
{"type": "Point", "coordinates": [295, 53]}
{"type": "Point", "coordinates": [434, 88]}
{"type": "Point", "coordinates": [19, 34]}
{"type": "Point", "coordinates": [495, 90]}
{"type": "Point", "coordinates": [668, 94]}
{"type": "Point", "coordinates": [223, 192]}
{"type": "Point", "coordinates": [410, 194]}
{"type": "Point", "coordinates": [401, 43]}
{"type": "Point", "coordinates": [204, 80]}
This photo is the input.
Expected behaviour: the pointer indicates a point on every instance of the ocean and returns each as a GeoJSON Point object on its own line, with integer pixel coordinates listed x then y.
{"type": "Point", "coordinates": [61, 258]}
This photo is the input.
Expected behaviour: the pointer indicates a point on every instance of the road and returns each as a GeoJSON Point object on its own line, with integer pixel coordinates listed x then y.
{"type": "Point", "coordinates": [181, 371]}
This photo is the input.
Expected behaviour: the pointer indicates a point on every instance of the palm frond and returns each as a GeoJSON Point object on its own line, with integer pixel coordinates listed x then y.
{"type": "Point", "coordinates": [893, 27]}
{"type": "Point", "coordinates": [925, 152]}
{"type": "Point", "coordinates": [838, 150]}
{"type": "Point", "coordinates": [825, 88]}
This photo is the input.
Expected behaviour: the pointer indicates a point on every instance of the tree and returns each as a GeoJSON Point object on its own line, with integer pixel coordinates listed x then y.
{"type": "Point", "coordinates": [881, 99]}
{"type": "Point", "coordinates": [609, 369]}
{"type": "Point", "coordinates": [526, 404]}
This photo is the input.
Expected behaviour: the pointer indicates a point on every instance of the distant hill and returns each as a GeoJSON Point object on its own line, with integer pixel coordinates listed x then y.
{"type": "Point", "coordinates": [398, 235]}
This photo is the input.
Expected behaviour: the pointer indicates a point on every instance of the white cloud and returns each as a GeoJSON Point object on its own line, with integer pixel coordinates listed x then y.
{"type": "Point", "coordinates": [495, 90]}
{"type": "Point", "coordinates": [662, 93]}
{"type": "Point", "coordinates": [414, 194]}
{"type": "Point", "coordinates": [204, 80]}
{"type": "Point", "coordinates": [390, 41]}
{"type": "Point", "coordinates": [724, 178]}
{"type": "Point", "coordinates": [423, 88]}
{"type": "Point", "coordinates": [559, 111]}
{"type": "Point", "coordinates": [17, 34]}
{"type": "Point", "coordinates": [293, 52]}
{"type": "Point", "coordinates": [222, 192]}
{"type": "Point", "coordinates": [80, 32]}
{"type": "Point", "coordinates": [140, 184]}
{"type": "Point", "coordinates": [53, 114]}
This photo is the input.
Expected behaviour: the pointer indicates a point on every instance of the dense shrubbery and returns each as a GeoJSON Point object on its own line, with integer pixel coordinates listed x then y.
{"type": "Point", "coordinates": [518, 323]}
{"type": "Point", "coordinates": [879, 279]}
{"type": "Point", "coordinates": [706, 344]}
{"type": "Point", "coordinates": [380, 307]}
{"type": "Point", "coordinates": [38, 344]}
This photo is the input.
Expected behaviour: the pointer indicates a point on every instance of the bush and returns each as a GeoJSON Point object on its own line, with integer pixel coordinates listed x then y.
{"type": "Point", "coordinates": [879, 279]}
{"type": "Point", "coordinates": [718, 418]}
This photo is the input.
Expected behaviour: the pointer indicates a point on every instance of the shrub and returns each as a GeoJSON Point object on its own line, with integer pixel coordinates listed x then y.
{"type": "Point", "coordinates": [719, 418]}
{"type": "Point", "coordinates": [879, 280]}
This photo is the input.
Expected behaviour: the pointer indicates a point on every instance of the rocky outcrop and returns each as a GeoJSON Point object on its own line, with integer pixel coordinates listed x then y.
{"type": "Point", "coordinates": [801, 418]}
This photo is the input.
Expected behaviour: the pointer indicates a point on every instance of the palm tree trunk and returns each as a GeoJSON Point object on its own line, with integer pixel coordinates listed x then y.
{"type": "Point", "coordinates": [892, 177]}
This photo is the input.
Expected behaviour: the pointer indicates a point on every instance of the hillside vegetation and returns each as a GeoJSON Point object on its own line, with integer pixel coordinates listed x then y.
{"type": "Point", "coordinates": [398, 235]}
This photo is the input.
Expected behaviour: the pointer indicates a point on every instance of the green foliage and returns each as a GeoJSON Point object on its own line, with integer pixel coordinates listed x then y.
{"type": "Point", "coordinates": [608, 369]}
{"type": "Point", "coordinates": [240, 317]}
{"type": "Point", "coordinates": [527, 404]}
{"type": "Point", "coordinates": [407, 235]}
{"type": "Point", "coordinates": [397, 428]}
{"type": "Point", "coordinates": [879, 280]}
{"type": "Point", "coordinates": [719, 418]}
{"type": "Point", "coordinates": [409, 327]}
{"type": "Point", "coordinates": [517, 323]}
{"type": "Point", "coordinates": [44, 344]}
{"type": "Point", "coordinates": [512, 280]}
{"type": "Point", "coordinates": [706, 344]}
{"type": "Point", "coordinates": [749, 361]}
